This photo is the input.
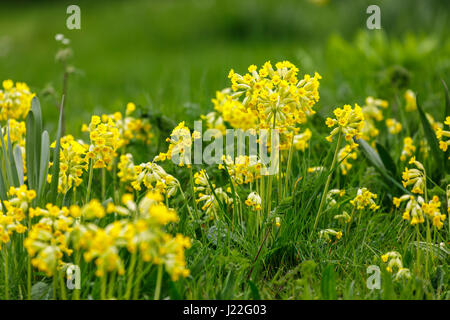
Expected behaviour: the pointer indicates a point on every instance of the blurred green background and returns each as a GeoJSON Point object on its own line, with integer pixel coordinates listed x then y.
{"type": "Point", "coordinates": [171, 56]}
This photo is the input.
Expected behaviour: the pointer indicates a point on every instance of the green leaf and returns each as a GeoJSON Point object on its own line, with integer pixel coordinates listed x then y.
{"type": "Point", "coordinates": [431, 137]}
{"type": "Point", "coordinates": [55, 171]}
{"type": "Point", "coordinates": [43, 163]}
{"type": "Point", "coordinates": [12, 161]}
{"type": "Point", "coordinates": [387, 159]}
{"type": "Point", "coordinates": [19, 163]}
{"type": "Point", "coordinates": [373, 157]}
{"type": "Point", "coordinates": [328, 284]}
{"type": "Point", "coordinates": [447, 100]}
{"type": "Point", "coordinates": [254, 290]}
{"type": "Point", "coordinates": [9, 179]}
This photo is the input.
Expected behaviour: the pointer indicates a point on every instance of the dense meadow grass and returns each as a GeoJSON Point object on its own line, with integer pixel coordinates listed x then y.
{"type": "Point", "coordinates": [146, 228]}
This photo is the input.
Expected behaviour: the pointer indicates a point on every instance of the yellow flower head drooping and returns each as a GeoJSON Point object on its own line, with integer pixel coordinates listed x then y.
{"type": "Point", "coordinates": [344, 156]}
{"type": "Point", "coordinates": [208, 198]}
{"type": "Point", "coordinates": [408, 149]}
{"type": "Point", "coordinates": [301, 140]}
{"type": "Point", "coordinates": [72, 163]}
{"type": "Point", "coordinates": [413, 211]}
{"type": "Point", "coordinates": [253, 201]}
{"type": "Point", "coordinates": [15, 100]}
{"type": "Point", "coordinates": [328, 233]}
{"type": "Point", "coordinates": [433, 210]}
{"type": "Point", "coordinates": [411, 103]}
{"type": "Point", "coordinates": [180, 143]}
{"type": "Point", "coordinates": [393, 259]}
{"type": "Point", "coordinates": [394, 127]}
{"type": "Point", "coordinates": [444, 136]}
{"type": "Point", "coordinates": [371, 114]}
{"type": "Point", "coordinates": [349, 122]}
{"type": "Point", "coordinates": [415, 177]}
{"type": "Point", "coordinates": [153, 176]}
{"type": "Point", "coordinates": [243, 169]}
{"type": "Point", "coordinates": [105, 139]}
{"type": "Point", "coordinates": [364, 198]}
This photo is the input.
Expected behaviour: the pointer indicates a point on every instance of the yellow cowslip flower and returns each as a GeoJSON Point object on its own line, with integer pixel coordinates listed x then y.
{"type": "Point", "coordinates": [415, 177]}
{"type": "Point", "coordinates": [408, 149]}
{"type": "Point", "coordinates": [301, 140]}
{"type": "Point", "coordinates": [394, 263]}
{"type": "Point", "coordinates": [344, 155]}
{"type": "Point", "coordinates": [13, 212]}
{"type": "Point", "coordinates": [180, 143]}
{"type": "Point", "coordinates": [243, 169]}
{"type": "Point", "coordinates": [153, 176]}
{"type": "Point", "coordinates": [441, 134]}
{"type": "Point", "coordinates": [350, 123]}
{"type": "Point", "coordinates": [327, 233]}
{"type": "Point", "coordinates": [364, 198]}
{"type": "Point", "coordinates": [253, 201]}
{"type": "Point", "coordinates": [269, 98]}
{"type": "Point", "coordinates": [131, 128]}
{"type": "Point", "coordinates": [343, 218]}
{"type": "Point", "coordinates": [371, 114]}
{"type": "Point", "coordinates": [394, 127]}
{"type": "Point", "coordinates": [315, 169]}
{"type": "Point", "coordinates": [72, 163]}
{"type": "Point", "coordinates": [17, 132]}
{"type": "Point", "coordinates": [15, 100]}
{"type": "Point", "coordinates": [46, 242]}
{"type": "Point", "coordinates": [411, 103]}
{"type": "Point", "coordinates": [413, 210]}
{"type": "Point", "coordinates": [433, 210]}
{"type": "Point", "coordinates": [215, 121]}
{"type": "Point", "coordinates": [210, 205]}
{"type": "Point", "coordinates": [105, 139]}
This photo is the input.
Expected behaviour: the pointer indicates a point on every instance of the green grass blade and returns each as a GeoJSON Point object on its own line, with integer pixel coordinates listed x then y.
{"type": "Point", "coordinates": [447, 100]}
{"type": "Point", "coordinates": [430, 135]}
{"type": "Point", "coordinates": [8, 172]}
{"type": "Point", "coordinates": [12, 161]}
{"type": "Point", "coordinates": [373, 157]}
{"type": "Point", "coordinates": [387, 159]}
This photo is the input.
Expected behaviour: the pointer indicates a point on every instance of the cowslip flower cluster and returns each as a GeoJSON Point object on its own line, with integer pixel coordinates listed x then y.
{"type": "Point", "coordinates": [394, 263]}
{"type": "Point", "coordinates": [269, 98]}
{"type": "Point", "coordinates": [214, 120]}
{"type": "Point", "coordinates": [394, 127]}
{"type": "Point", "coordinates": [408, 148]}
{"type": "Point", "coordinates": [350, 123]}
{"type": "Point", "coordinates": [243, 169]}
{"type": "Point", "coordinates": [105, 139]}
{"type": "Point", "coordinates": [331, 201]}
{"type": "Point", "coordinates": [153, 176]}
{"type": "Point", "coordinates": [371, 114]}
{"type": "Point", "coordinates": [344, 155]}
{"type": "Point", "coordinates": [130, 127]}
{"type": "Point", "coordinates": [207, 197]}
{"type": "Point", "coordinates": [15, 100]}
{"type": "Point", "coordinates": [413, 210]}
{"type": "Point", "coordinates": [364, 198]}
{"type": "Point", "coordinates": [180, 143]}
{"type": "Point", "coordinates": [253, 201]}
{"type": "Point", "coordinates": [415, 177]}
{"type": "Point", "coordinates": [441, 134]}
{"type": "Point", "coordinates": [72, 163]}
{"type": "Point", "coordinates": [46, 242]}
{"type": "Point", "coordinates": [13, 212]}
{"type": "Point", "coordinates": [327, 234]}
{"type": "Point", "coordinates": [17, 131]}
{"type": "Point", "coordinates": [301, 140]}
{"type": "Point", "coordinates": [411, 102]}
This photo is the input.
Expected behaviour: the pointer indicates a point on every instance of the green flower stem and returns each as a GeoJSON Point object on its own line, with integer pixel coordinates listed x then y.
{"type": "Point", "coordinates": [191, 178]}
{"type": "Point", "coordinates": [130, 276]}
{"type": "Point", "coordinates": [29, 273]}
{"type": "Point", "coordinates": [327, 184]}
{"type": "Point", "coordinates": [62, 285]}
{"type": "Point", "coordinates": [6, 274]}
{"type": "Point", "coordinates": [158, 282]}
{"type": "Point", "coordinates": [88, 192]}
{"type": "Point", "coordinates": [103, 287]}
{"type": "Point", "coordinates": [139, 277]}
{"type": "Point", "coordinates": [103, 183]}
